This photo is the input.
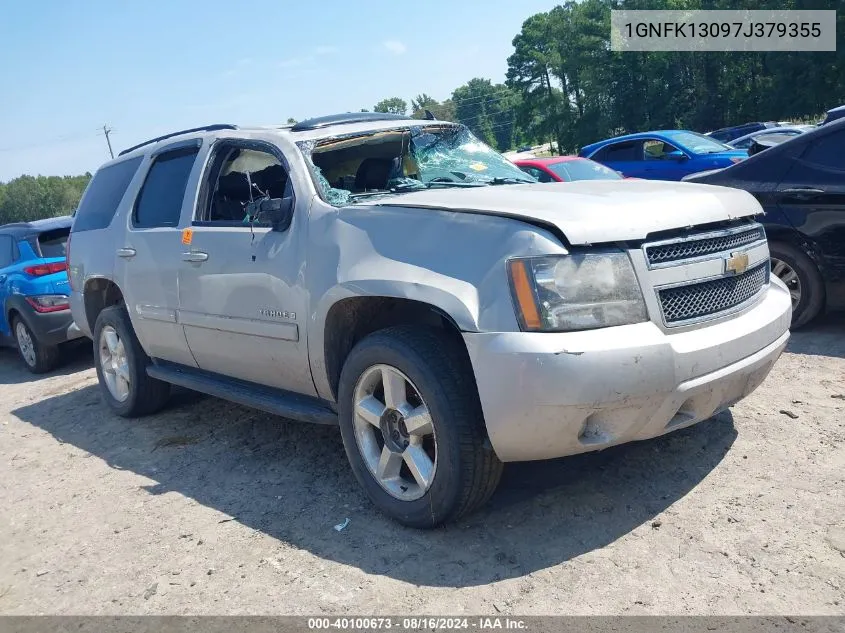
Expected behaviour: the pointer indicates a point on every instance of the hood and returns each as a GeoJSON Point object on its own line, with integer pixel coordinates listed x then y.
{"type": "Point", "coordinates": [593, 211]}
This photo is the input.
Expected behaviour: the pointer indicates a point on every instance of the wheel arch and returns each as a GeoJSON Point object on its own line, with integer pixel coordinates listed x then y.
{"type": "Point", "coordinates": [16, 306]}
{"type": "Point", "coordinates": [350, 319]}
{"type": "Point", "coordinates": [97, 294]}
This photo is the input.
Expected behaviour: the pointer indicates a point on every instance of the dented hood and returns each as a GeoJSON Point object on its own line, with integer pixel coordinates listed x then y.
{"type": "Point", "coordinates": [591, 212]}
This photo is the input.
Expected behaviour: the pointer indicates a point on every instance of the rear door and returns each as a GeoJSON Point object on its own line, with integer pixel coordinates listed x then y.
{"type": "Point", "coordinates": [149, 251]}
{"type": "Point", "coordinates": [625, 157]}
{"type": "Point", "coordinates": [812, 196]}
{"type": "Point", "coordinates": [241, 298]}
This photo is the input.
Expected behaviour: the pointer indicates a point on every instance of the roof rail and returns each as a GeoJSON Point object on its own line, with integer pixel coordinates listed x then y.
{"type": "Point", "coordinates": [205, 128]}
{"type": "Point", "coordinates": [348, 117]}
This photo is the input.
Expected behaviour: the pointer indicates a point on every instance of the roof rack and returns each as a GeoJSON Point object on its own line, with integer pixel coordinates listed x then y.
{"type": "Point", "coordinates": [205, 128]}
{"type": "Point", "coordinates": [346, 118]}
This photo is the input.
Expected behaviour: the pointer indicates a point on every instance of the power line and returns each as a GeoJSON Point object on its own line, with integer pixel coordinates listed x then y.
{"type": "Point", "coordinates": [491, 115]}
{"type": "Point", "coordinates": [67, 138]}
{"type": "Point", "coordinates": [502, 93]}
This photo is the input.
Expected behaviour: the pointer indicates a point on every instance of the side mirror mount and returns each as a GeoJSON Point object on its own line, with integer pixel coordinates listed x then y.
{"type": "Point", "coordinates": [677, 155]}
{"type": "Point", "coordinates": [279, 211]}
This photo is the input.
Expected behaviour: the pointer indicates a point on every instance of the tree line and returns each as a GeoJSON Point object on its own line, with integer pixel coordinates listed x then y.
{"type": "Point", "coordinates": [565, 85]}
{"type": "Point", "coordinates": [35, 197]}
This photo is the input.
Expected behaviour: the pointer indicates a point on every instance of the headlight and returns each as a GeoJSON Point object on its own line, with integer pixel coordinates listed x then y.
{"type": "Point", "coordinates": [576, 292]}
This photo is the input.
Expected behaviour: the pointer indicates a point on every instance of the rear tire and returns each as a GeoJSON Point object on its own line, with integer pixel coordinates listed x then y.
{"type": "Point", "coordinates": [121, 365]}
{"type": "Point", "coordinates": [802, 277]}
{"type": "Point", "coordinates": [36, 356]}
{"type": "Point", "coordinates": [438, 379]}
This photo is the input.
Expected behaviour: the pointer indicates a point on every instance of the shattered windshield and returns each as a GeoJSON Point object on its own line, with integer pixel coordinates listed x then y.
{"type": "Point", "coordinates": [355, 168]}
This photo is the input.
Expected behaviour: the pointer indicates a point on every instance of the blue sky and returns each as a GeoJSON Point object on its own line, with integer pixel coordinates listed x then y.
{"type": "Point", "coordinates": [148, 67]}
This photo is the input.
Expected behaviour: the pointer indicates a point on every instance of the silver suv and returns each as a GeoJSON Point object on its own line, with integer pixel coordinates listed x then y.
{"type": "Point", "coordinates": [404, 281]}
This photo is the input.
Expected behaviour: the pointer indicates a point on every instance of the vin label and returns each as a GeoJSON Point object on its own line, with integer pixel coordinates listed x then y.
{"type": "Point", "coordinates": [742, 30]}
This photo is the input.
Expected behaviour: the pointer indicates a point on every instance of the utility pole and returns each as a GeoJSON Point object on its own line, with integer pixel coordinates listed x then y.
{"type": "Point", "coordinates": [107, 131]}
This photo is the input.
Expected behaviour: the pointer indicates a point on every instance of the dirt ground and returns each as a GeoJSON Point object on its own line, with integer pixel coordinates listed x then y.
{"type": "Point", "coordinates": [210, 508]}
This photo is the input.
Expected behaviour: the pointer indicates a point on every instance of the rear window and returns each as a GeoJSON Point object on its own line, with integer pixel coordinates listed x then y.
{"type": "Point", "coordinates": [583, 169]}
{"type": "Point", "coordinates": [103, 195]}
{"type": "Point", "coordinates": [827, 151]}
{"type": "Point", "coordinates": [160, 200]}
{"type": "Point", "coordinates": [53, 243]}
{"type": "Point", "coordinates": [7, 250]}
{"type": "Point", "coordinates": [628, 151]}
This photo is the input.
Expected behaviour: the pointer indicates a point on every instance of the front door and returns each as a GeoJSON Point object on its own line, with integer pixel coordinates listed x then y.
{"type": "Point", "coordinates": [148, 258]}
{"type": "Point", "coordinates": [241, 299]}
{"type": "Point", "coordinates": [664, 161]}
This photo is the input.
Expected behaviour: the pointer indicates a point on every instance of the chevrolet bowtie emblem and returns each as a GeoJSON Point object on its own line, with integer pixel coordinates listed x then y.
{"type": "Point", "coordinates": [737, 263]}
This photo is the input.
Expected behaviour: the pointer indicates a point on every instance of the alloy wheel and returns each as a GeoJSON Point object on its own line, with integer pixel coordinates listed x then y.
{"type": "Point", "coordinates": [114, 364]}
{"type": "Point", "coordinates": [25, 344]}
{"type": "Point", "coordinates": [788, 276]}
{"type": "Point", "coordinates": [394, 432]}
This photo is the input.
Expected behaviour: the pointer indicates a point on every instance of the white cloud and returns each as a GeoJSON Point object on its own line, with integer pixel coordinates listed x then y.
{"type": "Point", "coordinates": [325, 50]}
{"type": "Point", "coordinates": [395, 46]}
{"type": "Point", "coordinates": [295, 62]}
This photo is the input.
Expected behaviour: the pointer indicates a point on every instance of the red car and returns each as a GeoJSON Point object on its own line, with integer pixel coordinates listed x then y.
{"type": "Point", "coordinates": [566, 169]}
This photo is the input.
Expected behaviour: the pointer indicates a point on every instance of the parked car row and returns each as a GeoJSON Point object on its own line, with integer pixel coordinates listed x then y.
{"type": "Point", "coordinates": [402, 280]}
{"type": "Point", "coordinates": [799, 186]}
{"type": "Point", "coordinates": [797, 172]}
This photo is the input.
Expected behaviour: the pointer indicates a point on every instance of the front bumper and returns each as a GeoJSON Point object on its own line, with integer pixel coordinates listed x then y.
{"type": "Point", "coordinates": [547, 395]}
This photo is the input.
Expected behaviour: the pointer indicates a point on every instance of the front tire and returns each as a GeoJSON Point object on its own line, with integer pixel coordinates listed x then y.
{"type": "Point", "coordinates": [121, 365]}
{"type": "Point", "coordinates": [38, 357]}
{"type": "Point", "coordinates": [412, 426]}
{"type": "Point", "coordinates": [802, 277]}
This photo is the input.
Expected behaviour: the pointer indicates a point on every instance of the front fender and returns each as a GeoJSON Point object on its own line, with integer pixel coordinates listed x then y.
{"type": "Point", "coordinates": [455, 262]}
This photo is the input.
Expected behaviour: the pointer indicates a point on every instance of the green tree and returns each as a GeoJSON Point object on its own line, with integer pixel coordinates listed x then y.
{"type": "Point", "coordinates": [443, 111]}
{"type": "Point", "coordinates": [393, 105]}
{"type": "Point", "coordinates": [488, 110]}
{"type": "Point", "coordinates": [576, 90]}
{"type": "Point", "coordinates": [35, 197]}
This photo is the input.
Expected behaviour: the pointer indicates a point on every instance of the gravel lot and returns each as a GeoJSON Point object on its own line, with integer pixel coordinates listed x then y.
{"type": "Point", "coordinates": [210, 508]}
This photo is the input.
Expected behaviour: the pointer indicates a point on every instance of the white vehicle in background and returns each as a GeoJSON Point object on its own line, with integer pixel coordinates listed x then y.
{"type": "Point", "coordinates": [744, 142]}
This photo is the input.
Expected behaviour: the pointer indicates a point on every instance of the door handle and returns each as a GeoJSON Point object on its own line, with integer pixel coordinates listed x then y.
{"type": "Point", "coordinates": [194, 256]}
{"type": "Point", "coordinates": [126, 252]}
{"type": "Point", "coordinates": [805, 191]}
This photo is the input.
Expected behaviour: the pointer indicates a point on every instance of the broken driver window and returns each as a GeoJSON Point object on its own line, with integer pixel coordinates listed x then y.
{"type": "Point", "coordinates": [354, 168]}
{"type": "Point", "coordinates": [244, 175]}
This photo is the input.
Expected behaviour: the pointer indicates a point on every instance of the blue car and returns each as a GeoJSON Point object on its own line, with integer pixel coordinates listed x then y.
{"type": "Point", "coordinates": [662, 155]}
{"type": "Point", "coordinates": [34, 291]}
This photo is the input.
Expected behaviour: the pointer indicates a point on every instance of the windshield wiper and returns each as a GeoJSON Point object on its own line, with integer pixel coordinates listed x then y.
{"type": "Point", "coordinates": [405, 187]}
{"type": "Point", "coordinates": [508, 181]}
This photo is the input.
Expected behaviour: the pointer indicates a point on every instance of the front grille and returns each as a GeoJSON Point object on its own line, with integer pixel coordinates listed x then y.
{"type": "Point", "coordinates": [708, 298]}
{"type": "Point", "coordinates": [689, 249]}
